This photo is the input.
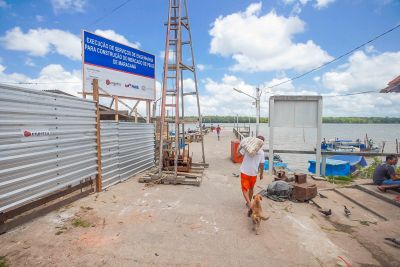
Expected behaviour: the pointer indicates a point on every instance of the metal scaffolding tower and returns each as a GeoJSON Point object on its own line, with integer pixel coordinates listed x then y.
{"type": "Point", "coordinates": [178, 50]}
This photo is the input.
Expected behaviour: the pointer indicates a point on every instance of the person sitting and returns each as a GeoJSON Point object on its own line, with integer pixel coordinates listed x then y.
{"type": "Point", "coordinates": [385, 174]}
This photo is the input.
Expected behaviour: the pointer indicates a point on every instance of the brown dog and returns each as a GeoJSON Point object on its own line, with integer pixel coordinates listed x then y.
{"type": "Point", "coordinates": [256, 214]}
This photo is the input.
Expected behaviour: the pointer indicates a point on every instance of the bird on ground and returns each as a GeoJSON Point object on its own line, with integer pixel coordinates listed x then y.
{"type": "Point", "coordinates": [326, 212]}
{"type": "Point", "coordinates": [394, 240]}
{"type": "Point", "coordinates": [347, 212]}
{"type": "Point", "coordinates": [322, 196]}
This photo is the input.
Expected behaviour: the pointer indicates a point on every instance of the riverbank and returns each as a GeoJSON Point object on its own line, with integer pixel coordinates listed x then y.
{"type": "Point", "coordinates": [132, 224]}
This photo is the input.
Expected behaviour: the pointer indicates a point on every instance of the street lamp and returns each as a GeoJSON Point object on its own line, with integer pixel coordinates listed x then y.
{"type": "Point", "coordinates": [257, 99]}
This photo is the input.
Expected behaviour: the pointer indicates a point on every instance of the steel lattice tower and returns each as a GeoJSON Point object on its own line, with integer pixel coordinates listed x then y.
{"type": "Point", "coordinates": [178, 46]}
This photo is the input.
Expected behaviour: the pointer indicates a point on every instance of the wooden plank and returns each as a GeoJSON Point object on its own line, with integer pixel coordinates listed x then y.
{"type": "Point", "coordinates": [360, 204]}
{"type": "Point", "coordinates": [377, 195]}
{"type": "Point", "coordinates": [24, 218]}
{"type": "Point", "coordinates": [187, 174]}
{"type": "Point", "coordinates": [331, 153]}
{"type": "Point", "coordinates": [34, 204]}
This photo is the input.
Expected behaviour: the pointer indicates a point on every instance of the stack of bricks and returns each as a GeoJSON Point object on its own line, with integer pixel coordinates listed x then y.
{"type": "Point", "coordinates": [302, 190]}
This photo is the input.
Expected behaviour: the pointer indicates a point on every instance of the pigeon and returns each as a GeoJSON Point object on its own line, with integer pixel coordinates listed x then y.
{"type": "Point", "coordinates": [326, 212]}
{"type": "Point", "coordinates": [347, 212]}
{"type": "Point", "coordinates": [394, 240]}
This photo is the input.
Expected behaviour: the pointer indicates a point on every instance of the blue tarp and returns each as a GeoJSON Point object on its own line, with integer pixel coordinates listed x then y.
{"type": "Point", "coordinates": [276, 164]}
{"type": "Point", "coordinates": [353, 160]}
{"type": "Point", "coordinates": [333, 167]}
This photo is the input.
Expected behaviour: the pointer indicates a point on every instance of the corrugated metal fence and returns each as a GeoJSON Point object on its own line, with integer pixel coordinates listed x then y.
{"type": "Point", "coordinates": [47, 143]}
{"type": "Point", "coordinates": [126, 149]}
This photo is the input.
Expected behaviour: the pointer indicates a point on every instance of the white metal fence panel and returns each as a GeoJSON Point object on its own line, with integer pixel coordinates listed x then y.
{"type": "Point", "coordinates": [109, 153]}
{"type": "Point", "coordinates": [134, 145]}
{"type": "Point", "coordinates": [47, 143]}
{"type": "Point", "coordinates": [136, 148]}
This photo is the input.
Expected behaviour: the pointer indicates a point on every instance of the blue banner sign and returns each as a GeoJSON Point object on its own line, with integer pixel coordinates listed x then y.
{"type": "Point", "coordinates": [121, 70]}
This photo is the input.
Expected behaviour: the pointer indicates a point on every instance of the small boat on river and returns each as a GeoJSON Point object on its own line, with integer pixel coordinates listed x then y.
{"type": "Point", "coordinates": [348, 145]}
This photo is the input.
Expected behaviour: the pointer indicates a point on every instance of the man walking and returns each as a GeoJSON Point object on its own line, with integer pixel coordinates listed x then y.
{"type": "Point", "coordinates": [218, 131]}
{"type": "Point", "coordinates": [385, 174]}
{"type": "Point", "coordinates": [251, 166]}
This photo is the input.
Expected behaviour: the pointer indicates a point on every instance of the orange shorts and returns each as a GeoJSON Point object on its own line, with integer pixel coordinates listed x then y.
{"type": "Point", "coordinates": [247, 181]}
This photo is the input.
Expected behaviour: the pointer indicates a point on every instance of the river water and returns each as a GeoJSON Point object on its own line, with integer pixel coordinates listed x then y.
{"type": "Point", "coordinates": [305, 139]}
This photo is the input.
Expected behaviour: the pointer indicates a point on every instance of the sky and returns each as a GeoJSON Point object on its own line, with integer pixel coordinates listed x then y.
{"type": "Point", "coordinates": [237, 44]}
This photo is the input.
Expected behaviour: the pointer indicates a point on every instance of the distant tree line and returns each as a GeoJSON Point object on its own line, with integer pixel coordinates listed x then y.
{"type": "Point", "coordinates": [232, 119]}
{"type": "Point", "coordinates": [360, 120]}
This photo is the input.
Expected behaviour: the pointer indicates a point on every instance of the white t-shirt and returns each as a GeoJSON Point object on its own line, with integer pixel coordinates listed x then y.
{"type": "Point", "coordinates": [250, 164]}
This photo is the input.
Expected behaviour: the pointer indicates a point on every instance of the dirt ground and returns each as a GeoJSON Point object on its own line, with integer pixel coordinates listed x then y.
{"type": "Point", "coordinates": [165, 225]}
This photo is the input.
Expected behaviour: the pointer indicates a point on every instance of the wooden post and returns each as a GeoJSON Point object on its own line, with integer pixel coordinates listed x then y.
{"type": "Point", "coordinates": [319, 139]}
{"type": "Point", "coordinates": [116, 108]}
{"type": "Point", "coordinates": [323, 167]}
{"type": "Point", "coordinates": [136, 116]}
{"type": "Point", "coordinates": [271, 137]}
{"type": "Point", "coordinates": [99, 181]}
{"type": "Point", "coordinates": [148, 111]}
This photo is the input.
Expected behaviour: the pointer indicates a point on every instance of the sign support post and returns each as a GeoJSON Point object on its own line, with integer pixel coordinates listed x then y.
{"type": "Point", "coordinates": [148, 111]}
{"type": "Point", "coordinates": [99, 180]}
{"type": "Point", "coordinates": [116, 108]}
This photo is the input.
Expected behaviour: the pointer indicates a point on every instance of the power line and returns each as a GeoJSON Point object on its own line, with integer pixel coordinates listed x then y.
{"type": "Point", "coordinates": [350, 94]}
{"type": "Point", "coordinates": [37, 83]}
{"type": "Point", "coordinates": [108, 14]}
{"type": "Point", "coordinates": [337, 58]}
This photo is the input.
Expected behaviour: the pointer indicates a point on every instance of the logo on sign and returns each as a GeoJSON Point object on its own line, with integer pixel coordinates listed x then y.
{"type": "Point", "coordinates": [143, 88]}
{"type": "Point", "coordinates": [134, 86]}
{"type": "Point", "coordinates": [31, 135]}
{"type": "Point", "coordinates": [108, 82]}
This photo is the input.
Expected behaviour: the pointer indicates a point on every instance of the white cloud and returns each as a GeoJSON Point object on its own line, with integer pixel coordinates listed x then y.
{"type": "Point", "coordinates": [220, 98]}
{"type": "Point", "coordinates": [111, 34]}
{"type": "Point", "coordinates": [29, 62]}
{"type": "Point", "coordinates": [39, 18]}
{"type": "Point", "coordinates": [69, 5]}
{"type": "Point", "coordinates": [201, 67]}
{"type": "Point", "coordinates": [318, 4]}
{"type": "Point", "coordinates": [40, 42]}
{"type": "Point", "coordinates": [3, 4]}
{"type": "Point", "coordinates": [53, 76]}
{"type": "Point", "coordinates": [264, 42]}
{"type": "Point", "coordinates": [363, 72]}
{"type": "Point", "coordinates": [323, 3]}
{"type": "Point", "coordinates": [374, 105]}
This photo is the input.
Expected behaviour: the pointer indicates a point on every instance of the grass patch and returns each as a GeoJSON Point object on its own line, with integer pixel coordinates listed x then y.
{"type": "Point", "coordinates": [3, 261]}
{"type": "Point", "coordinates": [367, 172]}
{"type": "Point", "coordinates": [81, 223]}
{"type": "Point", "coordinates": [340, 179]}
{"type": "Point", "coordinates": [367, 223]}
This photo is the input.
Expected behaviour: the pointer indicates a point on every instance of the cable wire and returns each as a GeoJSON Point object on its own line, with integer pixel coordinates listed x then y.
{"type": "Point", "coordinates": [37, 83]}
{"type": "Point", "coordinates": [337, 58]}
{"type": "Point", "coordinates": [108, 14]}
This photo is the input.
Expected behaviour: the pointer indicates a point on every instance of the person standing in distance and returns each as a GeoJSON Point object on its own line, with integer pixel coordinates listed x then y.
{"type": "Point", "coordinates": [218, 131]}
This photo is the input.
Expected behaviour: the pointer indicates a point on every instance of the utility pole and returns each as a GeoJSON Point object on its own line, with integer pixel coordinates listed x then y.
{"type": "Point", "coordinates": [257, 99]}
{"type": "Point", "coordinates": [258, 95]}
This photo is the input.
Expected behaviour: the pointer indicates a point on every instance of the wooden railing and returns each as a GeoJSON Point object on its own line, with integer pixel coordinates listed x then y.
{"type": "Point", "coordinates": [331, 153]}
